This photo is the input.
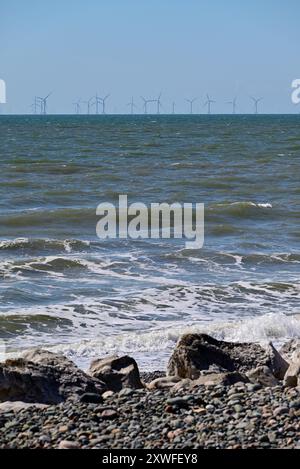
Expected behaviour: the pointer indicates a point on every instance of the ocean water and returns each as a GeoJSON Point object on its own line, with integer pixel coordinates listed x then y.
{"type": "Point", "coordinates": [63, 288]}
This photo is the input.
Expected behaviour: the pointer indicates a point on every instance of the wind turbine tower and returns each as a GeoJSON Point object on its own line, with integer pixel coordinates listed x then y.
{"type": "Point", "coordinates": [191, 101]}
{"type": "Point", "coordinates": [88, 103]}
{"type": "Point", "coordinates": [43, 103]}
{"type": "Point", "coordinates": [37, 102]}
{"type": "Point", "coordinates": [158, 102]}
{"type": "Point", "coordinates": [256, 101]}
{"type": "Point", "coordinates": [77, 106]}
{"type": "Point", "coordinates": [97, 102]}
{"type": "Point", "coordinates": [146, 102]}
{"type": "Point", "coordinates": [173, 107]}
{"type": "Point", "coordinates": [233, 104]}
{"type": "Point", "coordinates": [208, 103]}
{"type": "Point", "coordinates": [103, 100]}
{"type": "Point", "coordinates": [132, 106]}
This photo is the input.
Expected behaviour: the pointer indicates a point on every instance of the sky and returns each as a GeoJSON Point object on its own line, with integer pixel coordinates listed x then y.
{"type": "Point", "coordinates": [181, 48]}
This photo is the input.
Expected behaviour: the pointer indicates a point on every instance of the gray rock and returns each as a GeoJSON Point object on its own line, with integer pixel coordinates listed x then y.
{"type": "Point", "coordinates": [222, 379]}
{"type": "Point", "coordinates": [163, 383]}
{"type": "Point", "coordinates": [292, 376]}
{"type": "Point", "coordinates": [197, 352]}
{"type": "Point", "coordinates": [116, 372]}
{"type": "Point", "coordinates": [44, 377]}
{"type": "Point", "coordinates": [18, 405]}
{"type": "Point", "coordinates": [65, 444]}
{"type": "Point", "coordinates": [277, 364]}
{"type": "Point", "coordinates": [91, 398]}
{"type": "Point", "coordinates": [289, 348]}
{"type": "Point", "coordinates": [263, 376]}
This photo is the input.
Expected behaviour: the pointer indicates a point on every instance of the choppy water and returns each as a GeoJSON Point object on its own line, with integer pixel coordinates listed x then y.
{"type": "Point", "coordinates": [61, 286]}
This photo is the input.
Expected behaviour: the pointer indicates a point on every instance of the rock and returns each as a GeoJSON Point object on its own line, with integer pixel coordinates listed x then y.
{"type": "Point", "coordinates": [91, 398]}
{"type": "Point", "coordinates": [109, 414]}
{"type": "Point", "coordinates": [182, 385]}
{"type": "Point", "coordinates": [125, 392]}
{"type": "Point", "coordinates": [19, 405]}
{"type": "Point", "coordinates": [180, 402]}
{"type": "Point", "coordinates": [65, 444]}
{"type": "Point", "coordinates": [197, 352]}
{"type": "Point", "coordinates": [263, 376]}
{"type": "Point", "coordinates": [289, 348]}
{"type": "Point", "coordinates": [116, 372]}
{"type": "Point", "coordinates": [280, 411]}
{"type": "Point", "coordinates": [148, 376]}
{"type": "Point", "coordinates": [292, 376]}
{"type": "Point", "coordinates": [163, 383]}
{"type": "Point", "coordinates": [44, 377]}
{"type": "Point", "coordinates": [277, 364]}
{"type": "Point", "coordinates": [222, 379]}
{"type": "Point", "coordinates": [108, 394]}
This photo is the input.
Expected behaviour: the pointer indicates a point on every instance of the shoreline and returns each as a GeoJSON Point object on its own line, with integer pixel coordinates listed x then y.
{"type": "Point", "coordinates": [214, 394]}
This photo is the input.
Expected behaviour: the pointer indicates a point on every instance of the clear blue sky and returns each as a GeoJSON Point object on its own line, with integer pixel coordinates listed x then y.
{"type": "Point", "coordinates": [184, 48]}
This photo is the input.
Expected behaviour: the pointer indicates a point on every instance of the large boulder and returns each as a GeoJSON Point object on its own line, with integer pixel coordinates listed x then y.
{"type": "Point", "coordinates": [116, 372]}
{"type": "Point", "coordinates": [195, 353]}
{"type": "Point", "coordinates": [292, 376]}
{"type": "Point", "coordinates": [44, 377]}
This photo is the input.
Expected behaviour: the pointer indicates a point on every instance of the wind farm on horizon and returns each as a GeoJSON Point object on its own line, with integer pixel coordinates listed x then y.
{"type": "Point", "coordinates": [98, 105]}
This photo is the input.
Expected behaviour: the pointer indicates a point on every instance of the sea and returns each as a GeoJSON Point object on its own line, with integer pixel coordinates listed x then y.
{"type": "Point", "coordinates": [64, 289]}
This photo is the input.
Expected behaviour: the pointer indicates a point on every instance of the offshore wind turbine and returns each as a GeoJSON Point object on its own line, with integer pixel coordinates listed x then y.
{"type": "Point", "coordinates": [158, 102]}
{"type": "Point", "coordinates": [96, 103]}
{"type": "Point", "coordinates": [77, 106]}
{"type": "Point", "coordinates": [256, 101]}
{"type": "Point", "coordinates": [103, 101]}
{"type": "Point", "coordinates": [146, 102]}
{"type": "Point", "coordinates": [132, 106]}
{"type": "Point", "coordinates": [43, 103]}
{"type": "Point", "coordinates": [88, 103]}
{"type": "Point", "coordinates": [208, 103]}
{"type": "Point", "coordinates": [233, 103]}
{"type": "Point", "coordinates": [37, 102]}
{"type": "Point", "coordinates": [191, 101]}
{"type": "Point", "coordinates": [173, 107]}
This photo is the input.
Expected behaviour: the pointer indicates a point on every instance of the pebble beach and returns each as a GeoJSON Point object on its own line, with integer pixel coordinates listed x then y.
{"type": "Point", "coordinates": [241, 416]}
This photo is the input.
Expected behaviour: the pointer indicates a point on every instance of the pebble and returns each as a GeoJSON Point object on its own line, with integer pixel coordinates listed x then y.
{"type": "Point", "coordinates": [65, 444]}
{"type": "Point", "coordinates": [219, 417]}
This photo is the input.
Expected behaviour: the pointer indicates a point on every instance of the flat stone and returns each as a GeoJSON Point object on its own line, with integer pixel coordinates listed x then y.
{"type": "Point", "coordinates": [65, 444]}
{"type": "Point", "coordinates": [17, 406]}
